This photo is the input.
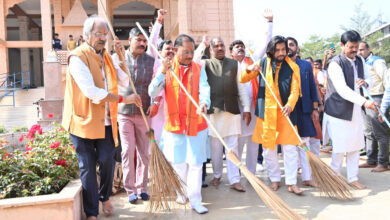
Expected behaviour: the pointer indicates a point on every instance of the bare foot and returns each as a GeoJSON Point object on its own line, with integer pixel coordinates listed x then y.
{"type": "Point", "coordinates": [309, 183]}
{"type": "Point", "coordinates": [275, 186]}
{"type": "Point", "coordinates": [366, 165]}
{"type": "Point", "coordinates": [294, 189]}
{"type": "Point", "coordinates": [358, 185]}
{"type": "Point", "coordinates": [91, 218]}
{"type": "Point", "coordinates": [379, 168]}
{"type": "Point", "coordinates": [108, 209]}
{"type": "Point", "coordinates": [238, 187]}
{"type": "Point", "coordinates": [215, 181]}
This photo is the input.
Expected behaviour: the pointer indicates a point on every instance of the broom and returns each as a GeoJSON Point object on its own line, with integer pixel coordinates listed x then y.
{"type": "Point", "coordinates": [329, 181]}
{"type": "Point", "coordinates": [280, 208]}
{"type": "Point", "coordinates": [165, 184]}
{"type": "Point", "coordinates": [377, 108]}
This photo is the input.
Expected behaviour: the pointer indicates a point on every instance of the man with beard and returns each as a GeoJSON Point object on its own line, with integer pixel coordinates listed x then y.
{"type": "Point", "coordinates": [375, 132]}
{"type": "Point", "coordinates": [132, 127]}
{"type": "Point", "coordinates": [306, 108]}
{"type": "Point", "coordinates": [183, 140]}
{"type": "Point", "coordinates": [272, 127]}
{"type": "Point", "coordinates": [90, 110]}
{"type": "Point", "coordinates": [222, 74]}
{"type": "Point", "coordinates": [343, 118]}
{"type": "Point", "coordinates": [237, 50]}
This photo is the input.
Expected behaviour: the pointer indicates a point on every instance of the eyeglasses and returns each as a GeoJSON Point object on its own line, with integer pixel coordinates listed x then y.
{"type": "Point", "coordinates": [99, 35]}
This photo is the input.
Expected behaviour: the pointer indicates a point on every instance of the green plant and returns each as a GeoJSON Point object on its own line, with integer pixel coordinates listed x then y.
{"type": "Point", "coordinates": [2, 129]}
{"type": "Point", "coordinates": [46, 166]}
{"type": "Point", "coordinates": [20, 129]}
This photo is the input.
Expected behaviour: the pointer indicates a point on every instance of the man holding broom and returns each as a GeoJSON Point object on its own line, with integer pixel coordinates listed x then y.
{"type": "Point", "coordinates": [272, 127]}
{"type": "Point", "coordinates": [132, 127]}
{"type": "Point", "coordinates": [343, 118]}
{"type": "Point", "coordinates": [183, 140]}
{"type": "Point", "coordinates": [90, 112]}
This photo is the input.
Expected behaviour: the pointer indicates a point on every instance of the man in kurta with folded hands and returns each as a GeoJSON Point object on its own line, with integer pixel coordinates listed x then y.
{"type": "Point", "coordinates": [272, 127]}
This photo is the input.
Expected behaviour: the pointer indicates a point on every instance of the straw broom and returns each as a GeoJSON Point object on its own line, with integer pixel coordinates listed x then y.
{"type": "Point", "coordinates": [280, 208]}
{"type": "Point", "coordinates": [329, 181]}
{"type": "Point", "coordinates": [165, 184]}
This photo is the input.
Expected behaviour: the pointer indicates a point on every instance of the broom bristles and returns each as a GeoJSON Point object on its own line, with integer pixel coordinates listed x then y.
{"type": "Point", "coordinates": [165, 184]}
{"type": "Point", "coordinates": [270, 198]}
{"type": "Point", "coordinates": [329, 181]}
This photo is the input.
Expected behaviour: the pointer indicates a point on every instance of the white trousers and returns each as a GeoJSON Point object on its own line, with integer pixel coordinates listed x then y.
{"type": "Point", "coordinates": [290, 157]}
{"type": "Point", "coordinates": [352, 164]}
{"type": "Point", "coordinates": [191, 175]}
{"type": "Point", "coordinates": [315, 145]}
{"type": "Point", "coordinates": [252, 150]}
{"type": "Point", "coordinates": [303, 161]}
{"type": "Point", "coordinates": [216, 150]}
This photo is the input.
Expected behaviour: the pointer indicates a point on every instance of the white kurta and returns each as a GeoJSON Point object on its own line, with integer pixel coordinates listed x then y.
{"type": "Point", "coordinates": [346, 136]}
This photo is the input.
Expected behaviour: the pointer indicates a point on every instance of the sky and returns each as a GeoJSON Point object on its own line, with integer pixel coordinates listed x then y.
{"type": "Point", "coordinates": [300, 18]}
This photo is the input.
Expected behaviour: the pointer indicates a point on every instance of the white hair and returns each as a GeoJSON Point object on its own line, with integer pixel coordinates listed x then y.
{"type": "Point", "coordinates": [89, 22]}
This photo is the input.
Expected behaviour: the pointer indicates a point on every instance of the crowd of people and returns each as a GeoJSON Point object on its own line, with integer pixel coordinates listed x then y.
{"type": "Point", "coordinates": [70, 45]}
{"type": "Point", "coordinates": [247, 98]}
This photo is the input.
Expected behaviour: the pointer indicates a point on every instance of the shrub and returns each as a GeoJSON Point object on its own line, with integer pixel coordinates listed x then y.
{"type": "Point", "coordinates": [46, 166]}
{"type": "Point", "coordinates": [20, 129]}
{"type": "Point", "coordinates": [2, 129]}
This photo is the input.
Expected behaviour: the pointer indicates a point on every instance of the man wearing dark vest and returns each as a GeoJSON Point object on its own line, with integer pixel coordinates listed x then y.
{"type": "Point", "coordinates": [224, 111]}
{"type": "Point", "coordinates": [307, 109]}
{"type": "Point", "coordinates": [374, 131]}
{"type": "Point", "coordinates": [343, 118]}
{"type": "Point", "coordinates": [237, 50]}
{"type": "Point", "coordinates": [90, 113]}
{"type": "Point", "coordinates": [132, 127]}
{"type": "Point", "coordinates": [272, 127]}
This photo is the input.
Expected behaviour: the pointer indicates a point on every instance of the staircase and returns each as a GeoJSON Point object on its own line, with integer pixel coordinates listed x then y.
{"type": "Point", "coordinates": [25, 112]}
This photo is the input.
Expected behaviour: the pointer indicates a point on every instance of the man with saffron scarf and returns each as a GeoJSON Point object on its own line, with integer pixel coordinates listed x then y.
{"type": "Point", "coordinates": [272, 127]}
{"type": "Point", "coordinates": [183, 140]}
{"type": "Point", "coordinates": [90, 113]}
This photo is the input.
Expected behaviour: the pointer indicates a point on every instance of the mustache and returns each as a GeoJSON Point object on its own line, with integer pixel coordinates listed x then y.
{"type": "Point", "coordinates": [101, 42]}
{"type": "Point", "coordinates": [241, 50]}
{"type": "Point", "coordinates": [141, 47]}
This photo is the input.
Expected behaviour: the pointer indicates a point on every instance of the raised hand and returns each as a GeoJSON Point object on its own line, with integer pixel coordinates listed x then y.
{"type": "Point", "coordinates": [268, 14]}
{"type": "Point", "coordinates": [161, 14]}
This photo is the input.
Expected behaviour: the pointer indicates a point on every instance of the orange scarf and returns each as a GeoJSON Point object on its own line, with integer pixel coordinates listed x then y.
{"type": "Point", "coordinates": [254, 82]}
{"type": "Point", "coordinates": [194, 122]}
{"type": "Point", "coordinates": [271, 106]}
{"type": "Point", "coordinates": [112, 84]}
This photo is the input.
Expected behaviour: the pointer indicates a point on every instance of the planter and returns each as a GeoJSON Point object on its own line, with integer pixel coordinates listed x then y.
{"type": "Point", "coordinates": [64, 205]}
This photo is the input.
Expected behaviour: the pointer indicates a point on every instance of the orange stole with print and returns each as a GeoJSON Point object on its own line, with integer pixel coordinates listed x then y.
{"type": "Point", "coordinates": [112, 84]}
{"type": "Point", "coordinates": [194, 122]}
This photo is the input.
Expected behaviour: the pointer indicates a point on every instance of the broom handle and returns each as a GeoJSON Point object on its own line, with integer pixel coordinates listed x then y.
{"type": "Point", "coordinates": [187, 93]}
{"type": "Point", "coordinates": [121, 58]}
{"type": "Point", "coordinates": [379, 110]}
{"type": "Point", "coordinates": [280, 105]}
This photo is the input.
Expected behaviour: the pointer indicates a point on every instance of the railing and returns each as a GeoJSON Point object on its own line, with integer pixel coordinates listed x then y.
{"type": "Point", "coordinates": [9, 83]}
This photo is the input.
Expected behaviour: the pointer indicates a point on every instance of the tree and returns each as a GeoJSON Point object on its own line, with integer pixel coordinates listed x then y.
{"type": "Point", "coordinates": [316, 46]}
{"type": "Point", "coordinates": [360, 21]}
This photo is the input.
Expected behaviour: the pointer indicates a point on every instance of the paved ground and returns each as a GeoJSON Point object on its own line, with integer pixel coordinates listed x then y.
{"type": "Point", "coordinates": [224, 203]}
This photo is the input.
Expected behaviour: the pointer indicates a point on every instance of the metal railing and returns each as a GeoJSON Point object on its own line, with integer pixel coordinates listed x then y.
{"type": "Point", "coordinates": [10, 82]}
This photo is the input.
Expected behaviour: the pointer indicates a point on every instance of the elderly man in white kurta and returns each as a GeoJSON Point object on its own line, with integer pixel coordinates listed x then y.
{"type": "Point", "coordinates": [343, 119]}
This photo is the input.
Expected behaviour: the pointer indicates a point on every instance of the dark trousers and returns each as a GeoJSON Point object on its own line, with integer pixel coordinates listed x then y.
{"type": "Point", "coordinates": [376, 137]}
{"type": "Point", "coordinates": [260, 155]}
{"type": "Point", "coordinates": [91, 152]}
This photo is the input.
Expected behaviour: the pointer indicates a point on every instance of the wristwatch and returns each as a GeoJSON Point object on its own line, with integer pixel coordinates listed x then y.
{"type": "Point", "coordinates": [316, 109]}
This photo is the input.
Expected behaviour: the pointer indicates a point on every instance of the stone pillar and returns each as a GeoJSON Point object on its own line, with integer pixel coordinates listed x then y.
{"type": "Point", "coordinates": [102, 9]}
{"type": "Point", "coordinates": [37, 69]}
{"type": "Point", "coordinates": [24, 52]}
{"type": "Point", "coordinates": [53, 102]}
{"type": "Point", "coordinates": [47, 35]}
{"type": "Point", "coordinates": [183, 15]}
{"type": "Point", "coordinates": [3, 37]}
{"type": "Point", "coordinates": [58, 19]}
